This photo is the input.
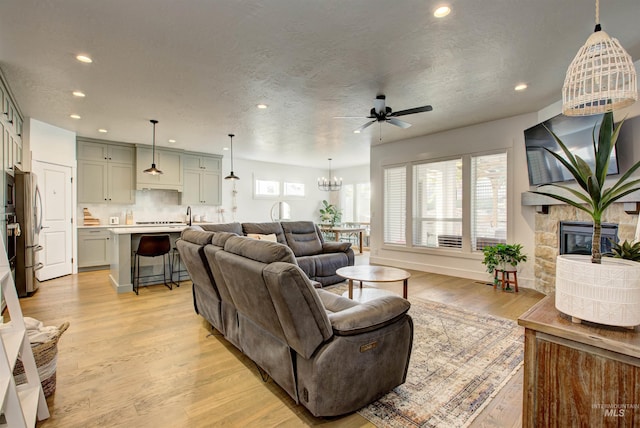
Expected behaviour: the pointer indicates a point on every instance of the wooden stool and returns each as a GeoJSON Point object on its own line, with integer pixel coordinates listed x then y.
{"type": "Point", "coordinates": [506, 279]}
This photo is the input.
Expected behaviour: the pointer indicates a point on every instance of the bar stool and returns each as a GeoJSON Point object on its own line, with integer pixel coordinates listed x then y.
{"type": "Point", "coordinates": [152, 246]}
{"type": "Point", "coordinates": [181, 273]}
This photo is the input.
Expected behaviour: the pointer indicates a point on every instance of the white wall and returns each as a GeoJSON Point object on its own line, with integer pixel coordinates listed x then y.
{"type": "Point", "coordinates": [252, 209]}
{"type": "Point", "coordinates": [48, 143]}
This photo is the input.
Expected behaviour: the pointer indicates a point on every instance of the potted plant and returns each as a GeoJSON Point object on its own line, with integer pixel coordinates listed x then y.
{"type": "Point", "coordinates": [329, 213]}
{"type": "Point", "coordinates": [596, 291]}
{"type": "Point", "coordinates": [502, 258]}
{"type": "Point", "coordinates": [626, 250]}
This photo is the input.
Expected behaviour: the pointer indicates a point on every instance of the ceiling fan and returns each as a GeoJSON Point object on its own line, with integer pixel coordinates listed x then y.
{"type": "Point", "coordinates": [382, 113]}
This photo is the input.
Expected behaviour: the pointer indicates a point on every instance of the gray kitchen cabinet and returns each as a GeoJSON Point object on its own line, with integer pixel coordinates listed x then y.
{"type": "Point", "coordinates": [11, 128]}
{"type": "Point", "coordinates": [103, 151]}
{"type": "Point", "coordinates": [93, 247]}
{"type": "Point", "coordinates": [167, 160]}
{"type": "Point", "coordinates": [105, 173]}
{"type": "Point", "coordinates": [202, 179]}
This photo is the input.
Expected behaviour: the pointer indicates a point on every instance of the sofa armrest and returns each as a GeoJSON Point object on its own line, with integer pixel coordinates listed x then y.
{"type": "Point", "coordinates": [335, 247]}
{"type": "Point", "coordinates": [368, 316]}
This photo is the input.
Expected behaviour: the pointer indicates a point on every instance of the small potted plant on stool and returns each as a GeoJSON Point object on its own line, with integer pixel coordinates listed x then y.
{"type": "Point", "coordinates": [502, 260]}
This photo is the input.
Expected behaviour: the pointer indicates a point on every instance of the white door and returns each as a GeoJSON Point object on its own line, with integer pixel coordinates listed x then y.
{"type": "Point", "coordinates": [56, 235]}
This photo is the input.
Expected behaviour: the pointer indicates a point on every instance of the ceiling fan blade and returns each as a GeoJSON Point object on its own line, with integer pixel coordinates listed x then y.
{"type": "Point", "coordinates": [380, 104]}
{"type": "Point", "coordinates": [398, 122]}
{"type": "Point", "coordinates": [411, 111]}
{"type": "Point", "coordinates": [366, 125]}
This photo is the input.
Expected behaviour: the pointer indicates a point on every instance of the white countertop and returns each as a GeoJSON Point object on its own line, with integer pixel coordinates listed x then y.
{"type": "Point", "coordinates": [177, 228]}
{"type": "Point", "coordinates": [136, 226]}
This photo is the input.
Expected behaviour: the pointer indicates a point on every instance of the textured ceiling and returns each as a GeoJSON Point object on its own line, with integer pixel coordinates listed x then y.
{"type": "Point", "coordinates": [201, 66]}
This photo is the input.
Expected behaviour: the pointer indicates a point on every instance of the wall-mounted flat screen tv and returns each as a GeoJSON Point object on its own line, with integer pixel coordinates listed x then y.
{"type": "Point", "coordinates": [576, 132]}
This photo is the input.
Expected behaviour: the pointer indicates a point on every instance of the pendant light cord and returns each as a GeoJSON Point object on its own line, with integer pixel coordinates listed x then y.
{"type": "Point", "coordinates": [598, 27]}
{"type": "Point", "coordinates": [231, 136]}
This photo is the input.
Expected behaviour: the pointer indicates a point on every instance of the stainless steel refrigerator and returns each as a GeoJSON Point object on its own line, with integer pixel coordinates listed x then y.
{"type": "Point", "coordinates": [29, 216]}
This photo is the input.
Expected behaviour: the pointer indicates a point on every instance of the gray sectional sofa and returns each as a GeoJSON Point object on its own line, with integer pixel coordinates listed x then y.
{"type": "Point", "coordinates": [329, 353]}
{"type": "Point", "coordinates": [317, 258]}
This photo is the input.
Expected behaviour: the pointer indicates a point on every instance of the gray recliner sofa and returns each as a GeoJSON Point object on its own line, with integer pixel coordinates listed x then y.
{"type": "Point", "coordinates": [317, 258]}
{"type": "Point", "coordinates": [329, 353]}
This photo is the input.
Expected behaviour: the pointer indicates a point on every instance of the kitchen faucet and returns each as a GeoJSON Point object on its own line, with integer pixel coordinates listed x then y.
{"type": "Point", "coordinates": [189, 214]}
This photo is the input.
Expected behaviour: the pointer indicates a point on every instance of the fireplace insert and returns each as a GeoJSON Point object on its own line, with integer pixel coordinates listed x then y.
{"type": "Point", "coordinates": [575, 237]}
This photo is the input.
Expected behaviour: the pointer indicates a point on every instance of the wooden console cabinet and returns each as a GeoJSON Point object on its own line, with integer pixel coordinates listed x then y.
{"type": "Point", "coordinates": [578, 374]}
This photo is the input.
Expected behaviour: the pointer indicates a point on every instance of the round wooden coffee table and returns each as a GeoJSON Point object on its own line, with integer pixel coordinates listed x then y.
{"type": "Point", "coordinates": [374, 274]}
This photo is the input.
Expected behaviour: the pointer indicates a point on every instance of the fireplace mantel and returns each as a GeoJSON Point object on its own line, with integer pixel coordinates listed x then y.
{"type": "Point", "coordinates": [631, 202]}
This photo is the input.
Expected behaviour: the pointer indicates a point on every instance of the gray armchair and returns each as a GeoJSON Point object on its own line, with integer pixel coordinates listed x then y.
{"type": "Point", "coordinates": [317, 258]}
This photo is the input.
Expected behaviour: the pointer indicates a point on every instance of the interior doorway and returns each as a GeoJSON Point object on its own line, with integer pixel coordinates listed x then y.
{"type": "Point", "coordinates": [56, 236]}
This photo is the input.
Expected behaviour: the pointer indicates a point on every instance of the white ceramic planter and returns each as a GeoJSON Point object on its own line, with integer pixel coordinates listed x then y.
{"type": "Point", "coordinates": [607, 293]}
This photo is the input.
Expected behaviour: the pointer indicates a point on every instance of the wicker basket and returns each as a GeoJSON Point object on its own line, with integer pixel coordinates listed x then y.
{"type": "Point", "coordinates": [46, 357]}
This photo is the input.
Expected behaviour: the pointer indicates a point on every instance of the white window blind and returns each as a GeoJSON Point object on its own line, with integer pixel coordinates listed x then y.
{"type": "Point", "coordinates": [437, 204]}
{"type": "Point", "coordinates": [363, 203]}
{"type": "Point", "coordinates": [395, 205]}
{"type": "Point", "coordinates": [346, 203]}
{"type": "Point", "coordinates": [489, 200]}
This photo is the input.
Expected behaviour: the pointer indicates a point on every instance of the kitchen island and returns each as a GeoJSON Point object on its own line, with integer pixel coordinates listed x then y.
{"type": "Point", "coordinates": [124, 242]}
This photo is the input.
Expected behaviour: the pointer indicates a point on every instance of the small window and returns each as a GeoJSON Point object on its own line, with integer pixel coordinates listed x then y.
{"type": "Point", "coordinates": [267, 188]}
{"type": "Point", "coordinates": [294, 189]}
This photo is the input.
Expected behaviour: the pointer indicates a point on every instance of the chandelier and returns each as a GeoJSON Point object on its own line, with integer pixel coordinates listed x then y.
{"type": "Point", "coordinates": [329, 185]}
{"type": "Point", "coordinates": [601, 78]}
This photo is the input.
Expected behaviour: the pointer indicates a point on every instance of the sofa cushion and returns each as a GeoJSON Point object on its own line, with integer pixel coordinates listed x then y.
{"type": "Point", "coordinates": [219, 238]}
{"type": "Point", "coordinates": [224, 227]}
{"type": "Point", "coordinates": [198, 237]}
{"type": "Point", "coordinates": [270, 237]}
{"type": "Point", "coordinates": [261, 251]}
{"type": "Point", "coordinates": [265, 229]}
{"type": "Point", "coordinates": [302, 237]}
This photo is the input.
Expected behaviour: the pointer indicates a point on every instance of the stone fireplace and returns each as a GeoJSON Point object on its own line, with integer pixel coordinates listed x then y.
{"type": "Point", "coordinates": [547, 237]}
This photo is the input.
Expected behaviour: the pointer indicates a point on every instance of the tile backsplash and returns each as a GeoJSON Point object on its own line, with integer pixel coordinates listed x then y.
{"type": "Point", "coordinates": [151, 205]}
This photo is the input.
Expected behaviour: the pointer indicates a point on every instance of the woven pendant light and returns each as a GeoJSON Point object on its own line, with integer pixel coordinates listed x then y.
{"type": "Point", "coordinates": [601, 77]}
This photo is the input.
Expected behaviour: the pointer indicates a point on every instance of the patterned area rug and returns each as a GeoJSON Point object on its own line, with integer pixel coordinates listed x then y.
{"type": "Point", "coordinates": [460, 360]}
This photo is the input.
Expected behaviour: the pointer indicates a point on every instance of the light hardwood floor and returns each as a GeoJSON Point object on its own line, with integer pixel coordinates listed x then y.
{"type": "Point", "coordinates": [150, 361]}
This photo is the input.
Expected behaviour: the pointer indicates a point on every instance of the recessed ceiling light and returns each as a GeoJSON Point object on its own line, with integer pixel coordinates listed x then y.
{"type": "Point", "coordinates": [171, 141]}
{"type": "Point", "coordinates": [84, 58]}
{"type": "Point", "coordinates": [442, 11]}
{"type": "Point", "coordinates": [262, 106]}
{"type": "Point", "coordinates": [102, 130]}
{"type": "Point", "coordinates": [74, 116]}
{"type": "Point", "coordinates": [78, 94]}
{"type": "Point", "coordinates": [521, 87]}
{"type": "Point", "coordinates": [225, 148]}
{"type": "Point", "coordinates": [357, 131]}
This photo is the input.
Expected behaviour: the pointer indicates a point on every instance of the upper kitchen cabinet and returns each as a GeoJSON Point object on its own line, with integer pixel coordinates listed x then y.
{"type": "Point", "coordinates": [11, 121]}
{"type": "Point", "coordinates": [202, 179]}
{"type": "Point", "coordinates": [105, 172]}
{"type": "Point", "coordinates": [167, 160]}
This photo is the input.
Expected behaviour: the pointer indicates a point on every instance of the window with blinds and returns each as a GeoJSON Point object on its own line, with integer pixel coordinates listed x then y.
{"type": "Point", "coordinates": [347, 203]}
{"type": "Point", "coordinates": [395, 205]}
{"type": "Point", "coordinates": [363, 203]}
{"type": "Point", "coordinates": [488, 200]}
{"type": "Point", "coordinates": [437, 204]}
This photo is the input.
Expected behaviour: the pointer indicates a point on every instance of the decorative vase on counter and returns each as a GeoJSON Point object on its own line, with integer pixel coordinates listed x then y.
{"type": "Point", "coordinates": [606, 293]}
{"type": "Point", "coordinates": [129, 217]}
